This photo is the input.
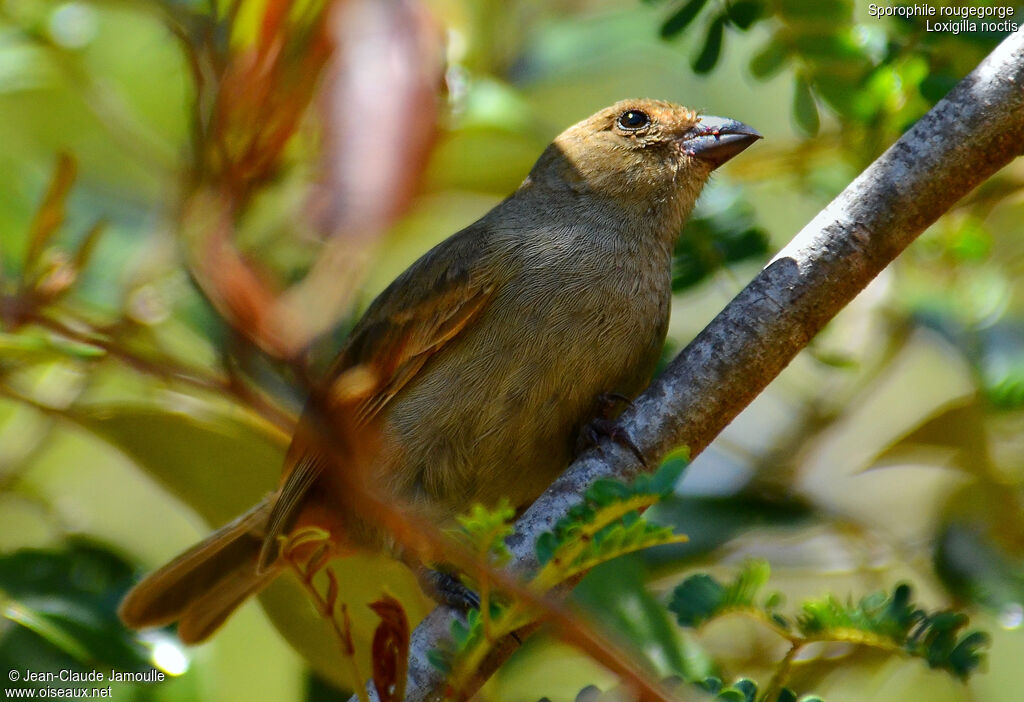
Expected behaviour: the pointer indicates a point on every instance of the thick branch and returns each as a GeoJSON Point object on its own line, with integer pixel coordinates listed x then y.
{"type": "Point", "coordinates": [977, 129]}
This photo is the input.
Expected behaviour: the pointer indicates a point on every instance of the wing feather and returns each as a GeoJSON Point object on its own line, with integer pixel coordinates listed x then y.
{"type": "Point", "coordinates": [411, 321]}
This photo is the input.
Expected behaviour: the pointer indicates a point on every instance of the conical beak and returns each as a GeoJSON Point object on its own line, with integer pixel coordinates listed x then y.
{"type": "Point", "coordinates": [717, 139]}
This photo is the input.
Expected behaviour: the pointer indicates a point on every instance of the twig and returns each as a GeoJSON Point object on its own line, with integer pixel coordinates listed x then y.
{"type": "Point", "coordinates": [306, 569]}
{"type": "Point", "coordinates": [167, 369]}
{"type": "Point", "coordinates": [781, 675]}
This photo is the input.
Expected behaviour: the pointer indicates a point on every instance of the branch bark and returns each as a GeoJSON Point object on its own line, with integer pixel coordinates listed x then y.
{"type": "Point", "coordinates": [973, 132]}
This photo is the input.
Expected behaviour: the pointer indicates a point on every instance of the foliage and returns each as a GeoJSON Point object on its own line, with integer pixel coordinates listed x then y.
{"type": "Point", "coordinates": [59, 606]}
{"type": "Point", "coordinates": [701, 597]}
{"type": "Point", "coordinates": [746, 690]}
{"type": "Point", "coordinates": [740, 690]}
{"type": "Point", "coordinates": [889, 622]}
{"type": "Point", "coordinates": [66, 599]}
{"type": "Point", "coordinates": [868, 71]}
{"type": "Point", "coordinates": [486, 530]}
{"type": "Point", "coordinates": [722, 232]}
{"type": "Point", "coordinates": [607, 524]}
{"type": "Point", "coordinates": [131, 394]}
{"type": "Point", "coordinates": [607, 520]}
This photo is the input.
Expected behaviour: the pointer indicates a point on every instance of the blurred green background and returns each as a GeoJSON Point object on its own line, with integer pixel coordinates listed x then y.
{"type": "Point", "coordinates": [890, 450]}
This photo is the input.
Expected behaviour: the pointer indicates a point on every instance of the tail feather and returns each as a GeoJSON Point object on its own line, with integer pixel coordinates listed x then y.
{"type": "Point", "coordinates": [202, 586]}
{"type": "Point", "coordinates": [205, 615]}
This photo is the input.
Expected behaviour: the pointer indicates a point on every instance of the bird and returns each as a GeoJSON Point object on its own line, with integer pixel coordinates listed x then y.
{"type": "Point", "coordinates": [489, 355]}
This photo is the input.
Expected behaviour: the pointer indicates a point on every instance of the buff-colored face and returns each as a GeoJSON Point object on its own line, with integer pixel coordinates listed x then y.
{"type": "Point", "coordinates": [644, 128]}
{"type": "Point", "coordinates": [639, 151]}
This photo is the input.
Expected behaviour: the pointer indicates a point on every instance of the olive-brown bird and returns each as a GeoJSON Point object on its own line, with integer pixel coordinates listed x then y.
{"type": "Point", "coordinates": [494, 348]}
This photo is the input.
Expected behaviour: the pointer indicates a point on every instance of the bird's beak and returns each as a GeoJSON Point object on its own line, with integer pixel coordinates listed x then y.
{"type": "Point", "coordinates": [717, 139]}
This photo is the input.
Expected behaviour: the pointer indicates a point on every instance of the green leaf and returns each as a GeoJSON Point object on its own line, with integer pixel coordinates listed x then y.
{"type": "Point", "coordinates": [975, 568]}
{"type": "Point", "coordinates": [723, 231]}
{"type": "Point", "coordinates": [604, 492]}
{"type": "Point", "coordinates": [747, 687]}
{"type": "Point", "coordinates": [829, 50]}
{"type": "Point", "coordinates": [744, 13]}
{"type": "Point", "coordinates": [88, 245]}
{"type": "Point", "coordinates": [752, 577]}
{"type": "Point", "coordinates": [775, 600]}
{"type": "Point", "coordinates": [609, 508]}
{"type": "Point", "coordinates": [219, 464]}
{"type": "Point", "coordinates": [933, 637]}
{"type": "Point", "coordinates": [51, 629]}
{"type": "Point", "coordinates": [663, 482]}
{"type": "Point", "coordinates": [617, 595]}
{"type": "Point", "coordinates": [697, 599]}
{"type": "Point", "coordinates": [836, 11]}
{"type": "Point", "coordinates": [966, 656]}
{"type": "Point", "coordinates": [460, 633]}
{"type": "Point", "coordinates": [682, 18]}
{"type": "Point", "coordinates": [879, 619]}
{"type": "Point", "coordinates": [711, 684]}
{"type": "Point", "coordinates": [709, 54]}
{"type": "Point", "coordinates": [547, 544]}
{"type": "Point", "coordinates": [769, 60]}
{"type": "Point", "coordinates": [899, 610]}
{"type": "Point", "coordinates": [846, 96]}
{"type": "Point", "coordinates": [440, 660]}
{"type": "Point", "coordinates": [935, 86]}
{"type": "Point", "coordinates": [805, 111]}
{"type": "Point", "coordinates": [68, 598]}
{"type": "Point", "coordinates": [710, 522]}
{"type": "Point", "coordinates": [486, 529]}
{"type": "Point", "coordinates": [33, 345]}
{"type": "Point", "coordinates": [998, 356]}
{"type": "Point", "coordinates": [52, 210]}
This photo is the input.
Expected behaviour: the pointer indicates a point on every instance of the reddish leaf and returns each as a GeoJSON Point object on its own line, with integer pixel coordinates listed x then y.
{"type": "Point", "coordinates": [379, 111]}
{"type": "Point", "coordinates": [390, 649]}
{"type": "Point", "coordinates": [376, 66]}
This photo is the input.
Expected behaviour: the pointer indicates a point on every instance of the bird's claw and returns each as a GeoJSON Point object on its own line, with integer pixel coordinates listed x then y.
{"type": "Point", "coordinates": [601, 428]}
{"type": "Point", "coordinates": [607, 401]}
{"type": "Point", "coordinates": [447, 589]}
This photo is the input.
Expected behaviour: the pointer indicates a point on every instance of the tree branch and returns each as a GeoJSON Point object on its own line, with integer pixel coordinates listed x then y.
{"type": "Point", "coordinates": [977, 129]}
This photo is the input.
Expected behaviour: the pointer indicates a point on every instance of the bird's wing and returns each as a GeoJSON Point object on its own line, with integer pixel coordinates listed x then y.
{"type": "Point", "coordinates": [415, 317]}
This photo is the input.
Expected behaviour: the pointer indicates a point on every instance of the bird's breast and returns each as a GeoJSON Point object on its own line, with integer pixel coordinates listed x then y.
{"type": "Point", "coordinates": [496, 412]}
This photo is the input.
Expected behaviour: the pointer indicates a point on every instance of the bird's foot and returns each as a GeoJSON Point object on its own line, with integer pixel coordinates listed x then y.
{"type": "Point", "coordinates": [608, 401]}
{"type": "Point", "coordinates": [603, 427]}
{"type": "Point", "coordinates": [446, 588]}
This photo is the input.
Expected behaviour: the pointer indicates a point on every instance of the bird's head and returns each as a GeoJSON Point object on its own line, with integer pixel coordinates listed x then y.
{"type": "Point", "coordinates": [644, 155]}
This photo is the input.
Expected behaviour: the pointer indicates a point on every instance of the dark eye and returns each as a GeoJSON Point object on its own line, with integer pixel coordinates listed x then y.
{"type": "Point", "coordinates": [633, 120]}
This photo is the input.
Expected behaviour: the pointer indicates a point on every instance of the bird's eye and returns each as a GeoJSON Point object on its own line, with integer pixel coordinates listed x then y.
{"type": "Point", "coordinates": [633, 120]}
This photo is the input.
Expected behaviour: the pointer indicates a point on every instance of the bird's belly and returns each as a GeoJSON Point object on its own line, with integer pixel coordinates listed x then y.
{"type": "Point", "coordinates": [497, 413]}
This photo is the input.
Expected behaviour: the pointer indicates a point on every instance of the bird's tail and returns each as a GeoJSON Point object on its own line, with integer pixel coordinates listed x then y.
{"type": "Point", "coordinates": [202, 586]}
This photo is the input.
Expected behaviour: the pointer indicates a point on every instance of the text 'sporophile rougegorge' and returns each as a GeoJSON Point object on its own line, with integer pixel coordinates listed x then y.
{"type": "Point", "coordinates": [954, 19]}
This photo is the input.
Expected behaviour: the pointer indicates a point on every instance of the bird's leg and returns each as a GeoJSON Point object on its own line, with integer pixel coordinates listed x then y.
{"type": "Point", "coordinates": [604, 427]}
{"type": "Point", "coordinates": [440, 585]}
{"type": "Point", "coordinates": [446, 588]}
